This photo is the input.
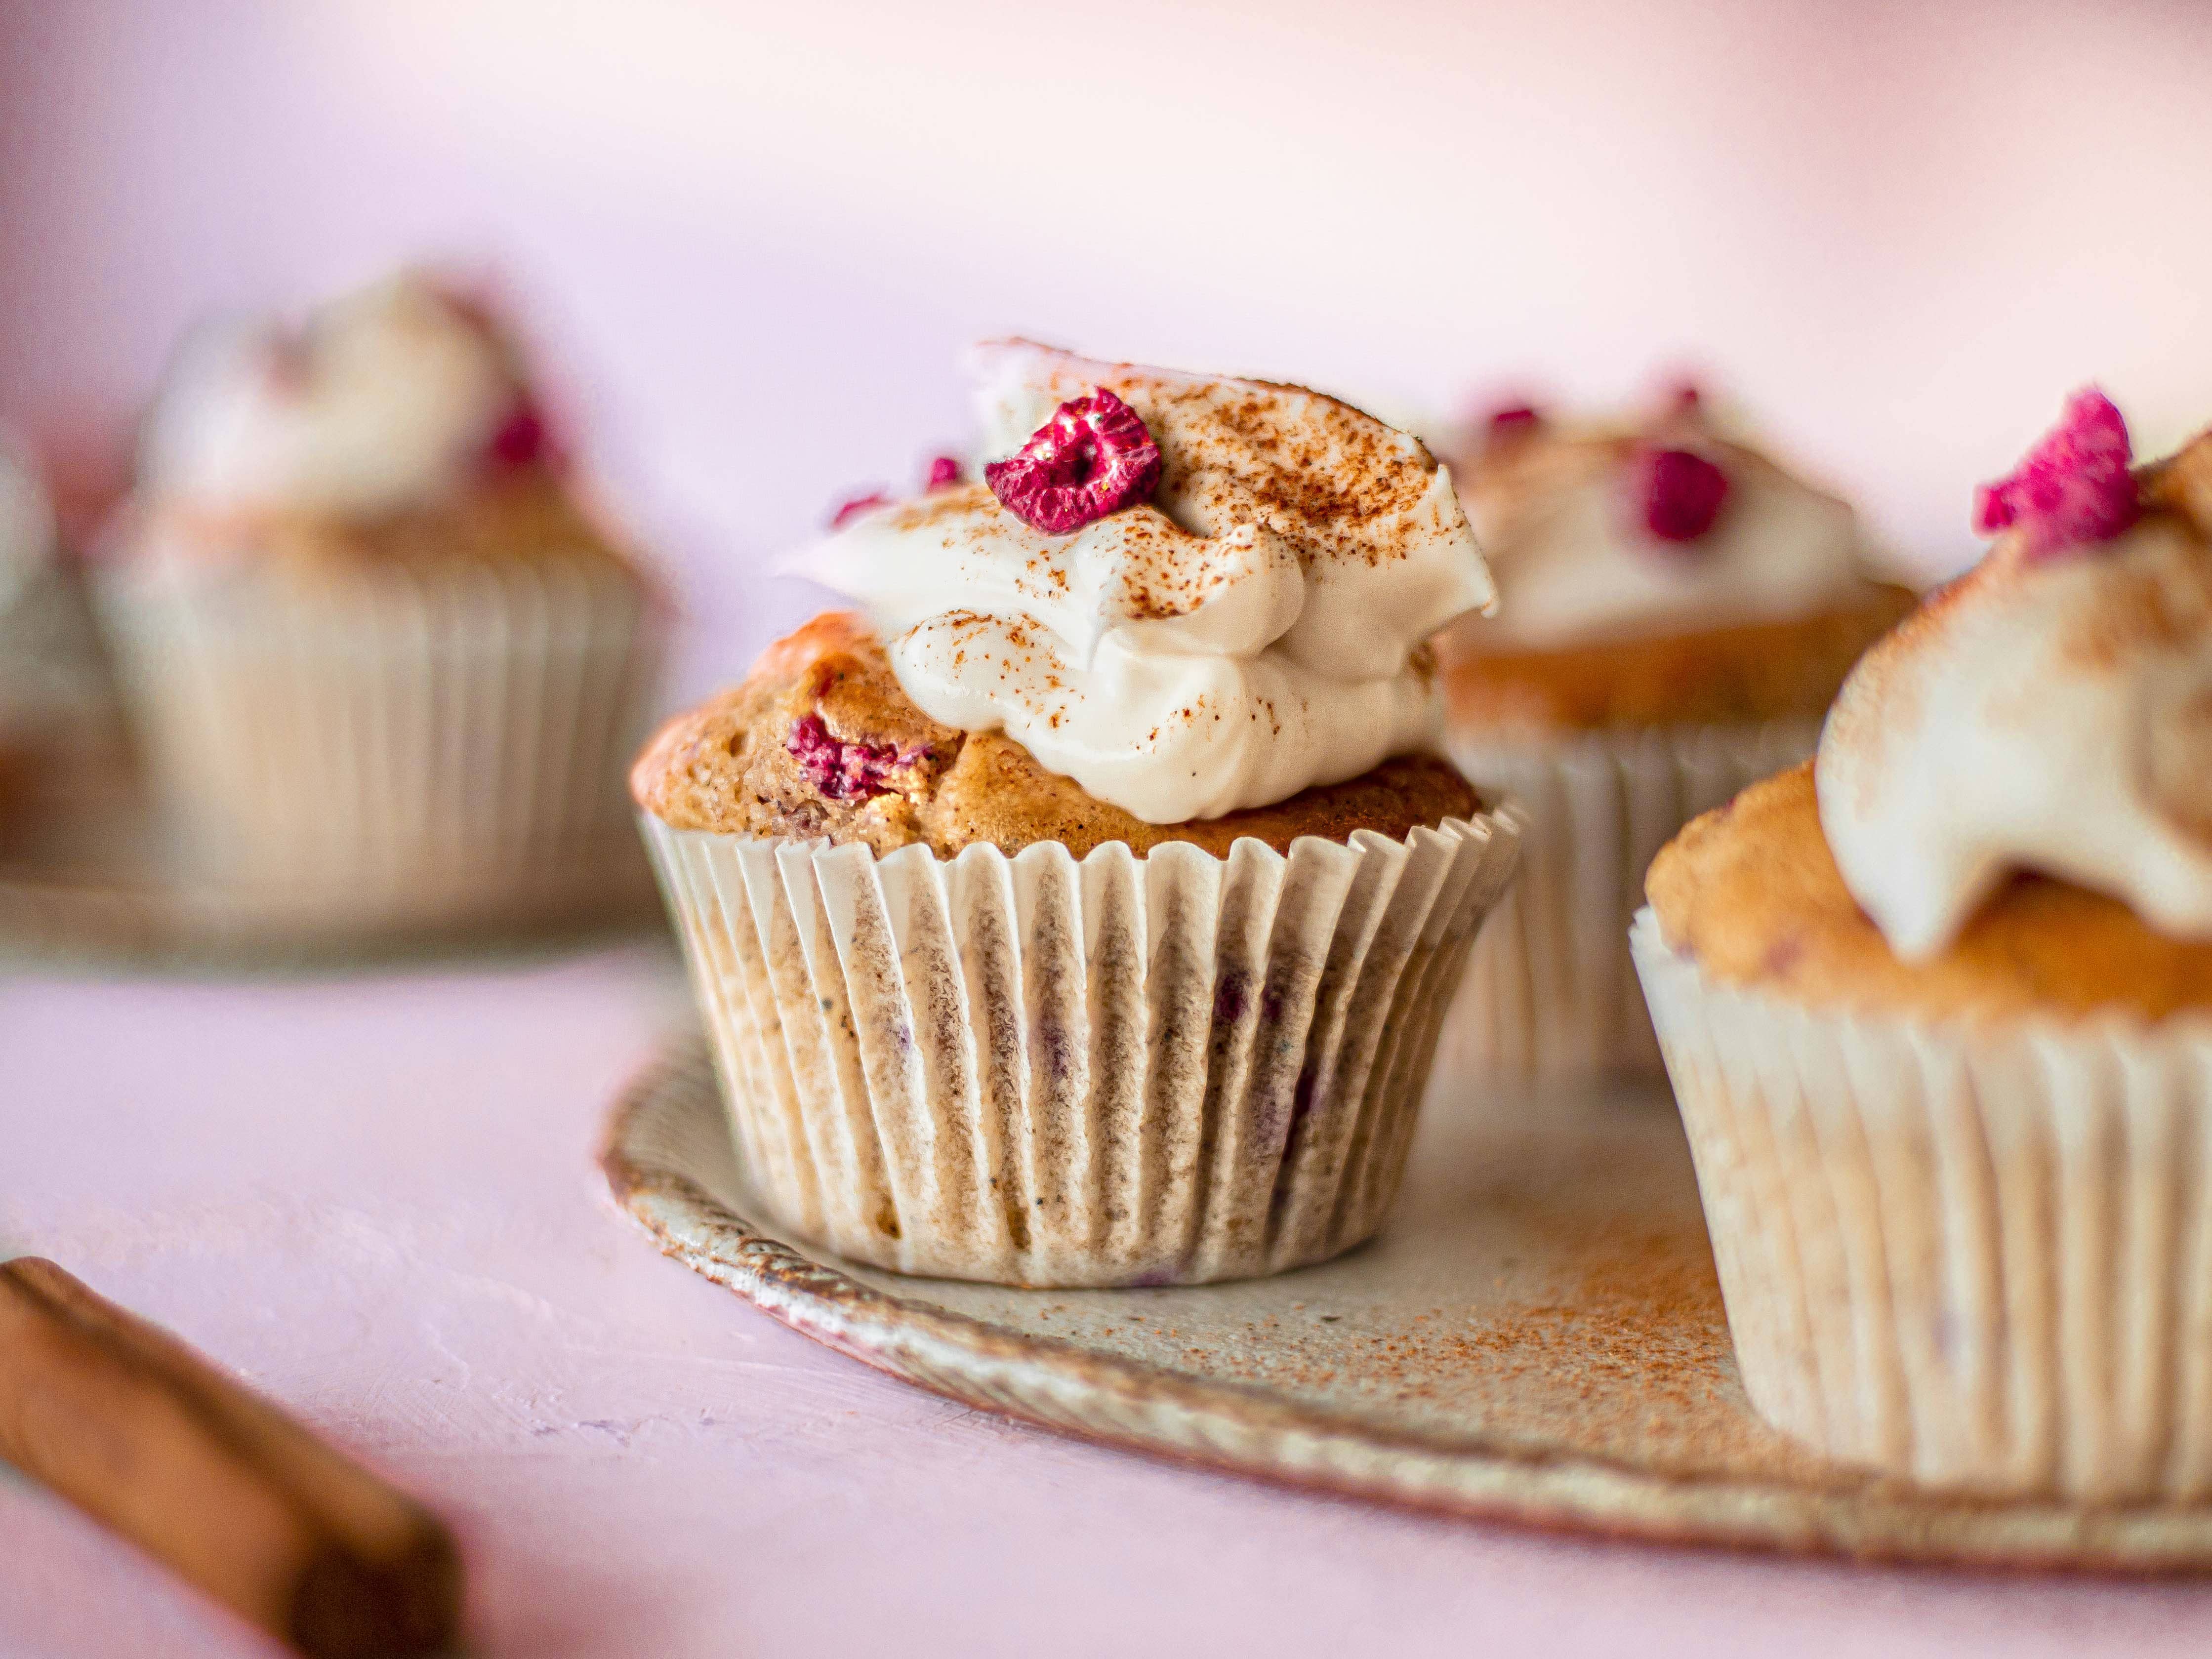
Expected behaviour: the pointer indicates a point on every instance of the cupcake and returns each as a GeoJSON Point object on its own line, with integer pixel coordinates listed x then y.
{"type": "Point", "coordinates": [56, 716]}
{"type": "Point", "coordinates": [1083, 910]}
{"type": "Point", "coordinates": [1677, 611]}
{"type": "Point", "coordinates": [1938, 1011]}
{"type": "Point", "coordinates": [376, 653]}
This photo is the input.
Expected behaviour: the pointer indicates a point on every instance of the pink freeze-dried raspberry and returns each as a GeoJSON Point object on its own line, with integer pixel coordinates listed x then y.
{"type": "Point", "coordinates": [1092, 457]}
{"type": "Point", "coordinates": [2072, 488]}
{"type": "Point", "coordinates": [841, 770]}
{"type": "Point", "coordinates": [1510, 425]}
{"type": "Point", "coordinates": [852, 508]}
{"type": "Point", "coordinates": [944, 473]}
{"type": "Point", "coordinates": [1680, 492]}
{"type": "Point", "coordinates": [521, 438]}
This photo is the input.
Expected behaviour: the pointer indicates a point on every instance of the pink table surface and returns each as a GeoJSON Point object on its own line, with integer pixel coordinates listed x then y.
{"type": "Point", "coordinates": [375, 1198]}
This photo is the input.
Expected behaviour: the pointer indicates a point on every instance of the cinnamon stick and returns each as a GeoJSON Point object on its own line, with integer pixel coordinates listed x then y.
{"type": "Point", "coordinates": [138, 1431]}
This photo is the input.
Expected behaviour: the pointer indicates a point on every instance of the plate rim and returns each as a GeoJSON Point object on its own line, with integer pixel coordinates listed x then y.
{"type": "Point", "coordinates": [1247, 1430]}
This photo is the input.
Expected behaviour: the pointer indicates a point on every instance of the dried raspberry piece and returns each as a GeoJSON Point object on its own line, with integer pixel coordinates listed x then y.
{"type": "Point", "coordinates": [944, 473]}
{"type": "Point", "coordinates": [2072, 489]}
{"type": "Point", "coordinates": [841, 770]}
{"type": "Point", "coordinates": [1092, 457]}
{"type": "Point", "coordinates": [1510, 425]}
{"type": "Point", "coordinates": [856, 505]}
{"type": "Point", "coordinates": [1685, 397]}
{"type": "Point", "coordinates": [1680, 492]}
{"type": "Point", "coordinates": [521, 439]}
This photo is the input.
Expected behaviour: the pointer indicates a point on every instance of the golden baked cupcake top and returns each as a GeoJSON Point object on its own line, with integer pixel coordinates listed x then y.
{"type": "Point", "coordinates": [2011, 808]}
{"type": "Point", "coordinates": [1173, 601]}
{"type": "Point", "coordinates": [1658, 573]}
{"type": "Point", "coordinates": [821, 741]}
{"type": "Point", "coordinates": [392, 425]}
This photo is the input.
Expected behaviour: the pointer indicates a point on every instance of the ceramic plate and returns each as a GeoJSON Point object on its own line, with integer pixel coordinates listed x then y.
{"type": "Point", "coordinates": [1537, 1336]}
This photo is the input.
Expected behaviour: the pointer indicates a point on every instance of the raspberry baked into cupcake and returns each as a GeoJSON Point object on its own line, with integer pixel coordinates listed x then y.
{"type": "Point", "coordinates": [1677, 612]}
{"type": "Point", "coordinates": [1083, 910]}
{"type": "Point", "coordinates": [1938, 1011]}
{"type": "Point", "coordinates": [375, 651]}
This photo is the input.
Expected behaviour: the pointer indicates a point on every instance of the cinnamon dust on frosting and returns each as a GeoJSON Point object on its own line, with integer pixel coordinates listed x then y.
{"type": "Point", "coordinates": [1252, 630]}
{"type": "Point", "coordinates": [2051, 712]}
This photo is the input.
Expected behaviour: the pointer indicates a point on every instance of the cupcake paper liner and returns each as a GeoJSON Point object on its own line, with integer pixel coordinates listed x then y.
{"type": "Point", "coordinates": [1037, 1069]}
{"type": "Point", "coordinates": [1977, 1256]}
{"type": "Point", "coordinates": [395, 743]}
{"type": "Point", "coordinates": [1551, 991]}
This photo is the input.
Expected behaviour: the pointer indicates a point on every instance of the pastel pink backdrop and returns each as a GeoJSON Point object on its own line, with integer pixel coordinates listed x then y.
{"type": "Point", "coordinates": [750, 241]}
{"type": "Point", "coordinates": [751, 237]}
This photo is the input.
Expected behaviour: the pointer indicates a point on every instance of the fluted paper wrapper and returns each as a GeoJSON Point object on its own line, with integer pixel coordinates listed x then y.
{"type": "Point", "coordinates": [1038, 1069]}
{"type": "Point", "coordinates": [1977, 1257]}
{"type": "Point", "coordinates": [1551, 991]}
{"type": "Point", "coordinates": [395, 745]}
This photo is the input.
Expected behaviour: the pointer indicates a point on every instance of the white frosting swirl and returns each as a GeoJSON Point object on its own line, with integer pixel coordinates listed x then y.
{"type": "Point", "coordinates": [1559, 521]}
{"type": "Point", "coordinates": [385, 399]}
{"type": "Point", "coordinates": [2053, 716]}
{"type": "Point", "coordinates": [1250, 633]}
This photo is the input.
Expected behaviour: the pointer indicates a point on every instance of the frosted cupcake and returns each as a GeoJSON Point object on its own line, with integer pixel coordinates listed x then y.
{"type": "Point", "coordinates": [1083, 912]}
{"type": "Point", "coordinates": [1677, 612]}
{"type": "Point", "coordinates": [375, 651]}
{"type": "Point", "coordinates": [1938, 1011]}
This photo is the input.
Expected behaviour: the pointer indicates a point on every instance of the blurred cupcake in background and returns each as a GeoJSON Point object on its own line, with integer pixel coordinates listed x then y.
{"type": "Point", "coordinates": [57, 715]}
{"type": "Point", "coordinates": [374, 650]}
{"type": "Point", "coordinates": [1676, 611]}
{"type": "Point", "coordinates": [1084, 912]}
{"type": "Point", "coordinates": [1938, 1011]}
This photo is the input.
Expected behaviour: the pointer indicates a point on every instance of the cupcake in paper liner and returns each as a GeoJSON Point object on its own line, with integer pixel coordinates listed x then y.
{"type": "Point", "coordinates": [374, 651]}
{"type": "Point", "coordinates": [1676, 611]}
{"type": "Point", "coordinates": [1938, 1012]}
{"type": "Point", "coordinates": [1085, 912]}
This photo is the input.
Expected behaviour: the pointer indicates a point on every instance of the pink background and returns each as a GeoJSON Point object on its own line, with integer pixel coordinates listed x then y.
{"type": "Point", "coordinates": [749, 241]}
{"type": "Point", "coordinates": [751, 237]}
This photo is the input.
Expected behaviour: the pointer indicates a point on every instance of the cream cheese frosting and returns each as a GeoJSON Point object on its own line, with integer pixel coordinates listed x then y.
{"type": "Point", "coordinates": [2052, 712]}
{"type": "Point", "coordinates": [1557, 514]}
{"type": "Point", "coordinates": [1255, 629]}
{"type": "Point", "coordinates": [384, 399]}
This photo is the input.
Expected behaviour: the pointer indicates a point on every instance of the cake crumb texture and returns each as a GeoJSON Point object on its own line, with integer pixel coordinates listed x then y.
{"type": "Point", "coordinates": [821, 741]}
{"type": "Point", "coordinates": [1736, 675]}
{"type": "Point", "coordinates": [1751, 891]}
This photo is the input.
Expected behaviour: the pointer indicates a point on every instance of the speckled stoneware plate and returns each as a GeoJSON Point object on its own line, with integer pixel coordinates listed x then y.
{"type": "Point", "coordinates": [1536, 1337]}
{"type": "Point", "coordinates": [90, 876]}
